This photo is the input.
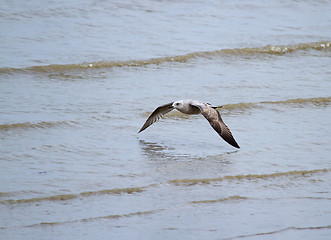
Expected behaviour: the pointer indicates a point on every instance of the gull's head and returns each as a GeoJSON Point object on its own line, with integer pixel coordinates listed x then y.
{"type": "Point", "coordinates": [177, 104]}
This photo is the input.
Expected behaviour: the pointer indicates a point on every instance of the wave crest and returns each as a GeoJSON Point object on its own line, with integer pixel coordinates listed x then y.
{"type": "Point", "coordinates": [41, 125]}
{"type": "Point", "coordinates": [175, 182]}
{"type": "Point", "coordinates": [269, 49]}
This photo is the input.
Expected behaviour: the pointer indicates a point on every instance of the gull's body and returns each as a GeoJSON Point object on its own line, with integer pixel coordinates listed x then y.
{"type": "Point", "coordinates": [194, 107]}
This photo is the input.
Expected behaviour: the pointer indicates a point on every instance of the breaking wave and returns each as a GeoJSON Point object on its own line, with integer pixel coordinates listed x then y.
{"type": "Point", "coordinates": [248, 177]}
{"type": "Point", "coordinates": [295, 101]}
{"type": "Point", "coordinates": [63, 197]}
{"type": "Point", "coordinates": [280, 231]}
{"type": "Point", "coordinates": [175, 182]}
{"type": "Point", "coordinates": [115, 216]}
{"type": "Point", "coordinates": [269, 49]}
{"type": "Point", "coordinates": [41, 125]}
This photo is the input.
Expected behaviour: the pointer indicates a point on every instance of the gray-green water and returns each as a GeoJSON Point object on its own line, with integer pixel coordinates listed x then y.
{"type": "Point", "coordinates": [78, 80]}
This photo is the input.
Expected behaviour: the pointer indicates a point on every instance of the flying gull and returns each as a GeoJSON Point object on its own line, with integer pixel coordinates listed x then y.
{"type": "Point", "coordinates": [194, 107]}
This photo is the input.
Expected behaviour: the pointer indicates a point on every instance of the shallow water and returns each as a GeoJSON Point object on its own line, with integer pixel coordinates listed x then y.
{"type": "Point", "coordinates": [78, 82]}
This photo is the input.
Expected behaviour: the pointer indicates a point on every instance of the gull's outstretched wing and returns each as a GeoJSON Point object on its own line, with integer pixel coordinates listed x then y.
{"type": "Point", "coordinates": [156, 115]}
{"type": "Point", "coordinates": [214, 118]}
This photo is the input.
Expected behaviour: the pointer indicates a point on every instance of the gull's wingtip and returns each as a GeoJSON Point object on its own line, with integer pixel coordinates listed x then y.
{"type": "Point", "coordinates": [232, 142]}
{"type": "Point", "coordinates": [144, 127]}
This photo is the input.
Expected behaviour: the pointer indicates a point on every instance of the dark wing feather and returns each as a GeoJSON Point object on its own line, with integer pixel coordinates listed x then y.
{"type": "Point", "coordinates": [156, 115]}
{"type": "Point", "coordinates": [214, 118]}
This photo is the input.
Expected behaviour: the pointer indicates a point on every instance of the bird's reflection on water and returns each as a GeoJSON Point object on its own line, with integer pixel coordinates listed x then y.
{"type": "Point", "coordinates": [155, 151]}
{"type": "Point", "coordinates": [166, 160]}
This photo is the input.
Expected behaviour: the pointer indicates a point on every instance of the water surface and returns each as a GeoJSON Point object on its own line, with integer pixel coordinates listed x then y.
{"type": "Point", "coordinates": [77, 82]}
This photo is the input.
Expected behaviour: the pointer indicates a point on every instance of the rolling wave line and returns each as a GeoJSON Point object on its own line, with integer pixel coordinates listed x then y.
{"type": "Point", "coordinates": [115, 216]}
{"type": "Point", "coordinates": [269, 49]}
{"type": "Point", "coordinates": [236, 197]}
{"type": "Point", "coordinates": [64, 197]}
{"type": "Point", "coordinates": [175, 182]}
{"type": "Point", "coordinates": [317, 100]}
{"type": "Point", "coordinates": [279, 231]}
{"type": "Point", "coordinates": [40, 125]}
{"type": "Point", "coordinates": [247, 177]}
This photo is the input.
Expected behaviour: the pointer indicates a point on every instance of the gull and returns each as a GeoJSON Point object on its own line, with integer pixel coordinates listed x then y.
{"type": "Point", "coordinates": [194, 107]}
